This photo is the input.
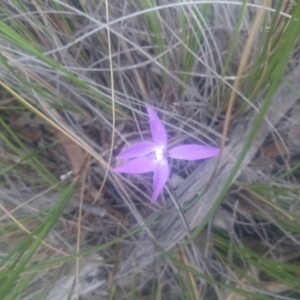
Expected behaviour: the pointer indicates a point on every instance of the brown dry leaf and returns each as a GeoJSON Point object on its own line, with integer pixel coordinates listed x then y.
{"type": "Point", "coordinates": [294, 132]}
{"type": "Point", "coordinates": [30, 134]}
{"type": "Point", "coordinates": [74, 152]}
{"type": "Point", "coordinates": [274, 149]}
{"type": "Point", "coordinates": [273, 287]}
{"type": "Point", "coordinates": [276, 287]}
{"type": "Point", "coordinates": [27, 127]}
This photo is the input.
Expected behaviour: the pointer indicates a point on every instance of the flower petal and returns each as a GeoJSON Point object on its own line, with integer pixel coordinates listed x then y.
{"type": "Point", "coordinates": [161, 175]}
{"type": "Point", "coordinates": [158, 130]}
{"type": "Point", "coordinates": [137, 150]}
{"type": "Point", "coordinates": [137, 166]}
{"type": "Point", "coordinates": [193, 152]}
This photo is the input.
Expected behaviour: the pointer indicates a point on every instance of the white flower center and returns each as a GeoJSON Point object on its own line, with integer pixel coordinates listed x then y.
{"type": "Point", "coordinates": [159, 153]}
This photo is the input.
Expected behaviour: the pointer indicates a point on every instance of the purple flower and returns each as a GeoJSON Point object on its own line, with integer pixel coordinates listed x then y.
{"type": "Point", "coordinates": [152, 156]}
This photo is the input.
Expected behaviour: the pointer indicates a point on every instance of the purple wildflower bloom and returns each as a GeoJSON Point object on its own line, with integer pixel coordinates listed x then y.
{"type": "Point", "coordinates": [152, 156]}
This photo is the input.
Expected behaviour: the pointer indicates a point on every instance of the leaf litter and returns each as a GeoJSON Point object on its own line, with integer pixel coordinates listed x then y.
{"type": "Point", "coordinates": [191, 110]}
